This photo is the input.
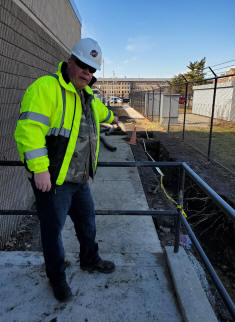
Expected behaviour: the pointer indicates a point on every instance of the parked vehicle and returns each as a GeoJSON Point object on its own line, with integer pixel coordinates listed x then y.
{"type": "Point", "coordinates": [114, 100]}
{"type": "Point", "coordinates": [182, 99]}
{"type": "Point", "coordinates": [125, 99]}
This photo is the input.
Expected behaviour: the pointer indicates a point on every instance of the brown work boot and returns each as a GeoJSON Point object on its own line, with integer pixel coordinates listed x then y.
{"type": "Point", "coordinates": [101, 266]}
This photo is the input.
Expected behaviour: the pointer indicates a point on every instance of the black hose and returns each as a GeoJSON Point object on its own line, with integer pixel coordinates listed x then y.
{"type": "Point", "coordinates": [107, 145]}
{"type": "Point", "coordinates": [106, 130]}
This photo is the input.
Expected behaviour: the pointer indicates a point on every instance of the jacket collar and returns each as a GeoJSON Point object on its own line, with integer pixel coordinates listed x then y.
{"type": "Point", "coordinates": [65, 82]}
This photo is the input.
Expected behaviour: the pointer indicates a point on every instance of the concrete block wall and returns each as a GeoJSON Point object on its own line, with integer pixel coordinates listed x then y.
{"type": "Point", "coordinates": [59, 18]}
{"type": "Point", "coordinates": [28, 50]}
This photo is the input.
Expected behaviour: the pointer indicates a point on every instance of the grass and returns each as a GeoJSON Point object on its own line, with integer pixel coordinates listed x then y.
{"type": "Point", "coordinates": [222, 144]}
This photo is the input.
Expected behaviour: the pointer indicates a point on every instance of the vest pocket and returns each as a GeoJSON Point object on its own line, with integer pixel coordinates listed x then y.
{"type": "Point", "coordinates": [56, 146]}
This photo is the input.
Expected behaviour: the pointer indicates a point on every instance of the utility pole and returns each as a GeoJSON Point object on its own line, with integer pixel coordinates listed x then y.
{"type": "Point", "coordinates": [103, 80]}
{"type": "Point", "coordinates": [113, 83]}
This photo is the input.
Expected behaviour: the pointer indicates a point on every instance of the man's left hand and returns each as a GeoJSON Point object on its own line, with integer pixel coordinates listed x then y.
{"type": "Point", "coordinates": [115, 120]}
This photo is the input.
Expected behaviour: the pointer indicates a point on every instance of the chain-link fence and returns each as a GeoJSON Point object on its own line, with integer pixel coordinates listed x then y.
{"type": "Point", "coordinates": [27, 52]}
{"type": "Point", "coordinates": [201, 113]}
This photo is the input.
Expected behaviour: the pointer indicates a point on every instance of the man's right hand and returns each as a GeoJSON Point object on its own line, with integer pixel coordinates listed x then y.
{"type": "Point", "coordinates": [43, 181]}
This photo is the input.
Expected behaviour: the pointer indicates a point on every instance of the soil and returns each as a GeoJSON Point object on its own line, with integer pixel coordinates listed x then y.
{"type": "Point", "coordinates": [218, 247]}
{"type": "Point", "coordinates": [27, 236]}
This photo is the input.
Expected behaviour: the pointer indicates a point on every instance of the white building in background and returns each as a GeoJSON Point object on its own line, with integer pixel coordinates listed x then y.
{"type": "Point", "coordinates": [224, 102]}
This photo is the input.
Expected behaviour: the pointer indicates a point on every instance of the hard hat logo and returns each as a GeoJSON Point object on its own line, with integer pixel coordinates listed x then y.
{"type": "Point", "coordinates": [94, 53]}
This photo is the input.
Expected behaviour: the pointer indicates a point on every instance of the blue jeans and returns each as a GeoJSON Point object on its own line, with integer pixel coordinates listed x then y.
{"type": "Point", "coordinates": [53, 206]}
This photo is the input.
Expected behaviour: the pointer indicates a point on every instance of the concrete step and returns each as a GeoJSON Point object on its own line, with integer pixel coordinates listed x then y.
{"type": "Point", "coordinates": [138, 290]}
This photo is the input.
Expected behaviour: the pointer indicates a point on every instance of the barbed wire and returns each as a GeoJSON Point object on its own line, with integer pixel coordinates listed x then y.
{"type": "Point", "coordinates": [229, 61]}
{"type": "Point", "coordinates": [214, 69]}
{"type": "Point", "coordinates": [223, 67]}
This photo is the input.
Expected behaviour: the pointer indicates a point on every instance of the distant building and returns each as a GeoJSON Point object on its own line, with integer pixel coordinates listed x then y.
{"type": "Point", "coordinates": [121, 87]}
{"type": "Point", "coordinates": [230, 78]}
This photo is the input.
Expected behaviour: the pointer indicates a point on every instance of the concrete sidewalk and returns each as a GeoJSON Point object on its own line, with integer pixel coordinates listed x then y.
{"type": "Point", "coordinates": [139, 290]}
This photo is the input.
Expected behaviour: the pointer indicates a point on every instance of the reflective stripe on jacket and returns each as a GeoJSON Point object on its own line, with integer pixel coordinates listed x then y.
{"type": "Point", "coordinates": [48, 127]}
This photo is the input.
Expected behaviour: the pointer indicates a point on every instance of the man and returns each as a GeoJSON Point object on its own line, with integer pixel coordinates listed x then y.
{"type": "Point", "coordinates": [57, 137]}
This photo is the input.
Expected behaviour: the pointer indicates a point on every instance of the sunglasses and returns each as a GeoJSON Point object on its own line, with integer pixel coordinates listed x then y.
{"type": "Point", "coordinates": [82, 65]}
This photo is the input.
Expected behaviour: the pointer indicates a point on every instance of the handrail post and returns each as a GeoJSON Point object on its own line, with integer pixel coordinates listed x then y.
{"type": "Point", "coordinates": [180, 202]}
{"type": "Point", "coordinates": [212, 115]}
{"type": "Point", "coordinates": [177, 232]}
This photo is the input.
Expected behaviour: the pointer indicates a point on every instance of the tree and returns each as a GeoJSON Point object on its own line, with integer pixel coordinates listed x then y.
{"type": "Point", "coordinates": [195, 74]}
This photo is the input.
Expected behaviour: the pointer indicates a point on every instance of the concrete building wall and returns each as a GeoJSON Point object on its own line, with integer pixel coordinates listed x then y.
{"type": "Point", "coordinates": [58, 17]}
{"type": "Point", "coordinates": [28, 49]}
{"type": "Point", "coordinates": [224, 102]}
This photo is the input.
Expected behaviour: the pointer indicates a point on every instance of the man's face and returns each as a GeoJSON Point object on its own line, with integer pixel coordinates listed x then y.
{"type": "Point", "coordinates": [80, 77]}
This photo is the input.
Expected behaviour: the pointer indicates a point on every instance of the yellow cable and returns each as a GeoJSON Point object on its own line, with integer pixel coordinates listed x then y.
{"type": "Point", "coordinates": [171, 199]}
{"type": "Point", "coordinates": [162, 186]}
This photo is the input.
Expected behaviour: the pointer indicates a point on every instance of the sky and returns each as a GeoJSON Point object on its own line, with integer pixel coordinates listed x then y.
{"type": "Point", "coordinates": [158, 38]}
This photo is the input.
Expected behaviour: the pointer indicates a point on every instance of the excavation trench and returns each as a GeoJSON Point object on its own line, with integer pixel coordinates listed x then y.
{"type": "Point", "coordinates": [214, 230]}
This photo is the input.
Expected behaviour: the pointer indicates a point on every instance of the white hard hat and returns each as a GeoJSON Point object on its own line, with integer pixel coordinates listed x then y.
{"type": "Point", "coordinates": [88, 51]}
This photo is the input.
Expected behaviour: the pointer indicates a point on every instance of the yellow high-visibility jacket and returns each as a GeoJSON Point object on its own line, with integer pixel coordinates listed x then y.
{"type": "Point", "coordinates": [48, 127]}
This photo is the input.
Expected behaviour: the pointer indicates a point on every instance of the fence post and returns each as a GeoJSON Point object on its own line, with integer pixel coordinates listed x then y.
{"type": "Point", "coordinates": [141, 109]}
{"type": "Point", "coordinates": [152, 105]}
{"type": "Point", "coordinates": [148, 107]}
{"type": "Point", "coordinates": [180, 202]}
{"type": "Point", "coordinates": [212, 114]}
{"type": "Point", "coordinates": [160, 97]}
{"type": "Point", "coordinates": [169, 110]}
{"type": "Point", "coordinates": [137, 101]}
{"type": "Point", "coordinates": [185, 106]}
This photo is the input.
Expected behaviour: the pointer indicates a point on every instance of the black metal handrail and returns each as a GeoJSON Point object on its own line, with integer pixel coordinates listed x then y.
{"type": "Point", "coordinates": [224, 294]}
{"type": "Point", "coordinates": [110, 164]}
{"type": "Point", "coordinates": [152, 213]}
{"type": "Point", "coordinates": [223, 205]}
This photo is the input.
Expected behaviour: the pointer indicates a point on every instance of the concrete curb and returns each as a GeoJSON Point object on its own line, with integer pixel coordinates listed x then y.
{"type": "Point", "coordinates": [193, 301]}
